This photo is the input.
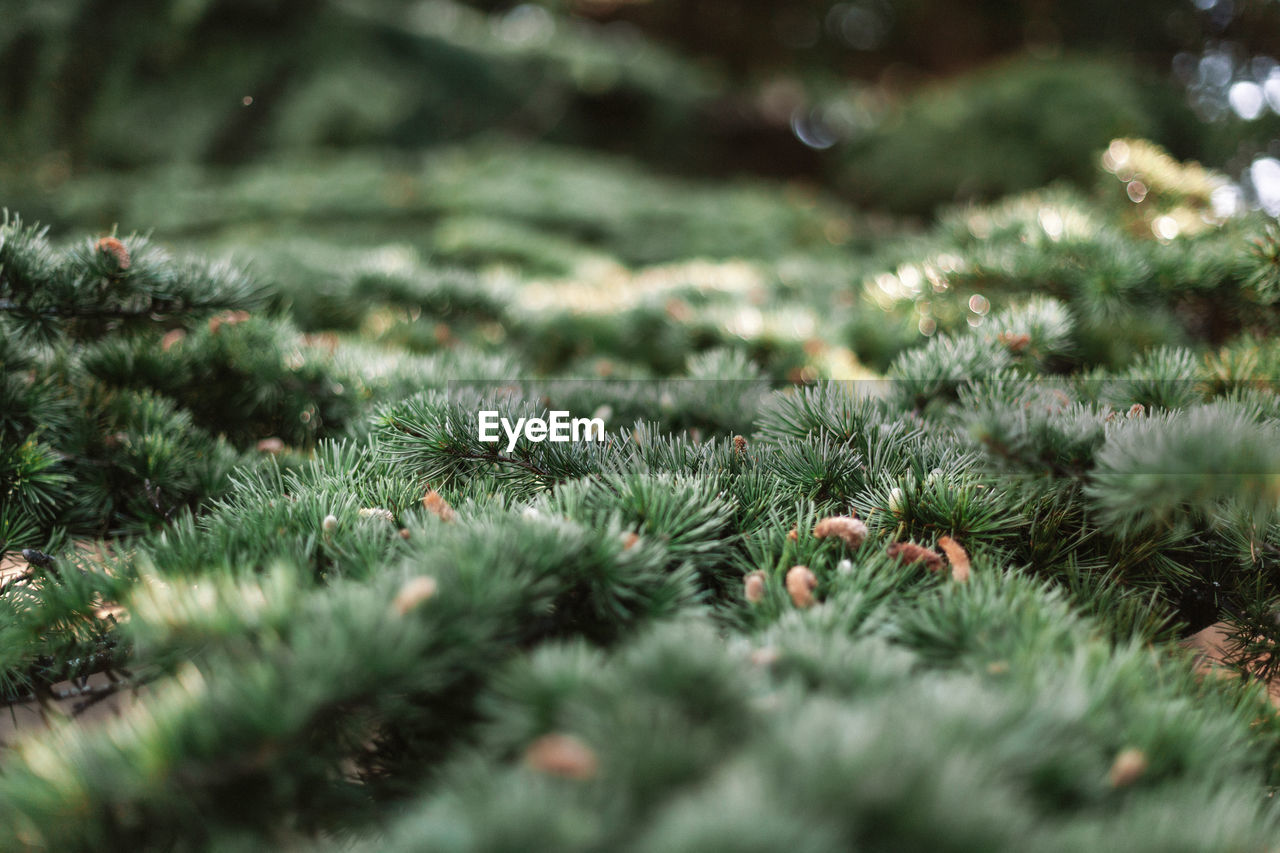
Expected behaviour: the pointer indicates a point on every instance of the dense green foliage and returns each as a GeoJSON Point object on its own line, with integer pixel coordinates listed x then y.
{"type": "Point", "coordinates": [898, 528]}
{"type": "Point", "coordinates": [555, 649]}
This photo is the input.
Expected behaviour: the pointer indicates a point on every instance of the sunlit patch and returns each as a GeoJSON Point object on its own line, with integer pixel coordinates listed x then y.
{"type": "Point", "coordinates": [609, 288]}
{"type": "Point", "coordinates": [1271, 90]}
{"type": "Point", "coordinates": [1246, 99]}
{"type": "Point", "coordinates": [1265, 175]}
{"type": "Point", "coordinates": [910, 277]}
{"type": "Point", "coordinates": [1165, 227]}
{"type": "Point", "coordinates": [1175, 198]}
{"type": "Point", "coordinates": [1051, 222]}
{"type": "Point", "coordinates": [1116, 156]}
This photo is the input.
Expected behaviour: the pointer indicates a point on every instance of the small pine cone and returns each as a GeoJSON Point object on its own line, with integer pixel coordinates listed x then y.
{"type": "Point", "coordinates": [754, 587]}
{"type": "Point", "coordinates": [326, 341]}
{"type": "Point", "coordinates": [739, 445]}
{"type": "Point", "coordinates": [956, 556]}
{"type": "Point", "coordinates": [629, 539]}
{"type": "Point", "coordinates": [171, 338]}
{"type": "Point", "coordinates": [765, 657]}
{"type": "Point", "coordinates": [1015, 343]}
{"type": "Point", "coordinates": [272, 445]}
{"type": "Point", "coordinates": [910, 552]}
{"type": "Point", "coordinates": [227, 318]}
{"type": "Point", "coordinates": [846, 528]}
{"type": "Point", "coordinates": [793, 535]}
{"type": "Point", "coordinates": [116, 249]}
{"type": "Point", "coordinates": [438, 506]}
{"type": "Point", "coordinates": [1128, 767]}
{"type": "Point", "coordinates": [801, 582]}
{"type": "Point", "coordinates": [562, 755]}
{"type": "Point", "coordinates": [1137, 410]}
{"type": "Point", "coordinates": [404, 533]}
{"type": "Point", "coordinates": [413, 593]}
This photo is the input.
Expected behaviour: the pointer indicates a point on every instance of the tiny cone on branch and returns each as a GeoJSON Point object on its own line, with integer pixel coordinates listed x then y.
{"type": "Point", "coordinates": [171, 339]}
{"type": "Point", "coordinates": [1128, 767]}
{"type": "Point", "coordinates": [413, 593]}
{"type": "Point", "coordinates": [272, 445]}
{"type": "Point", "coordinates": [846, 528]}
{"type": "Point", "coordinates": [793, 535]}
{"type": "Point", "coordinates": [1015, 343]}
{"type": "Point", "coordinates": [227, 318]}
{"type": "Point", "coordinates": [765, 657]}
{"type": "Point", "coordinates": [629, 539]}
{"type": "Point", "coordinates": [116, 248]}
{"type": "Point", "coordinates": [956, 556]}
{"type": "Point", "coordinates": [910, 552]}
{"type": "Point", "coordinates": [739, 445]}
{"type": "Point", "coordinates": [801, 582]}
{"type": "Point", "coordinates": [754, 587]}
{"type": "Point", "coordinates": [561, 755]}
{"type": "Point", "coordinates": [438, 506]}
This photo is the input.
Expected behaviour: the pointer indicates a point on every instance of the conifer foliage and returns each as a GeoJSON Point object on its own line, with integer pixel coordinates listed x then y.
{"type": "Point", "coordinates": [267, 586]}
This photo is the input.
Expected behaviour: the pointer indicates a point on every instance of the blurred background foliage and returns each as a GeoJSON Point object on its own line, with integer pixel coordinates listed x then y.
{"type": "Point", "coordinates": [611, 187]}
{"type": "Point", "coordinates": [901, 105]}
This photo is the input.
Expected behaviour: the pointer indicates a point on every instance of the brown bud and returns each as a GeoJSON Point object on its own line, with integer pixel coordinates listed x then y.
{"type": "Point", "coordinates": [956, 556]}
{"type": "Point", "coordinates": [754, 587]}
{"type": "Point", "coordinates": [227, 318]}
{"type": "Point", "coordinates": [765, 656]}
{"type": "Point", "coordinates": [846, 528]}
{"type": "Point", "coordinates": [1128, 767]}
{"type": "Point", "coordinates": [413, 593]}
{"type": "Point", "coordinates": [629, 539]}
{"type": "Point", "coordinates": [1137, 410]}
{"type": "Point", "coordinates": [792, 535]}
{"type": "Point", "coordinates": [116, 249]}
{"type": "Point", "coordinates": [739, 445]}
{"type": "Point", "coordinates": [561, 755]}
{"type": "Point", "coordinates": [801, 582]}
{"type": "Point", "coordinates": [171, 338]}
{"type": "Point", "coordinates": [1015, 343]}
{"type": "Point", "coordinates": [679, 310]}
{"type": "Point", "coordinates": [327, 341]}
{"type": "Point", "coordinates": [910, 552]}
{"type": "Point", "coordinates": [404, 533]}
{"type": "Point", "coordinates": [438, 506]}
{"type": "Point", "coordinates": [272, 445]}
